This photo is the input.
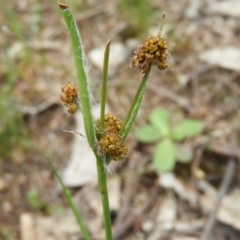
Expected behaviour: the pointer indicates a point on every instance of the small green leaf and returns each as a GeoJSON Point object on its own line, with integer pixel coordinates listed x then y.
{"type": "Point", "coordinates": [187, 128]}
{"type": "Point", "coordinates": [184, 153]}
{"type": "Point", "coordinates": [160, 119]}
{"type": "Point", "coordinates": [34, 199]}
{"type": "Point", "coordinates": [165, 155]}
{"type": "Point", "coordinates": [147, 134]}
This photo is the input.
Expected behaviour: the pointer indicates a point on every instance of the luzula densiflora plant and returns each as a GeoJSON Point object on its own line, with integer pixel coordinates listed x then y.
{"type": "Point", "coordinates": [107, 134]}
{"type": "Point", "coordinates": [154, 51]}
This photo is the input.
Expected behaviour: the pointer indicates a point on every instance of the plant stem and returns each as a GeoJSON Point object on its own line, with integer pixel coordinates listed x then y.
{"type": "Point", "coordinates": [84, 96]}
{"type": "Point", "coordinates": [102, 171]}
{"type": "Point", "coordinates": [104, 86]}
{"type": "Point", "coordinates": [69, 198]}
{"type": "Point", "coordinates": [102, 187]}
{"type": "Point", "coordinates": [82, 78]}
{"type": "Point", "coordinates": [133, 111]}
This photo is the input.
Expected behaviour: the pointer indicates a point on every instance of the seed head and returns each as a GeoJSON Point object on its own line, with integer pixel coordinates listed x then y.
{"type": "Point", "coordinates": [110, 143]}
{"type": "Point", "coordinates": [69, 97]}
{"type": "Point", "coordinates": [73, 107]}
{"type": "Point", "coordinates": [153, 52]}
{"type": "Point", "coordinates": [111, 122]}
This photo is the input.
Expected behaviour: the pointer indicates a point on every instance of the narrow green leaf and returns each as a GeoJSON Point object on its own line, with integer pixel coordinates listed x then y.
{"type": "Point", "coordinates": [70, 201]}
{"type": "Point", "coordinates": [187, 128]}
{"type": "Point", "coordinates": [104, 86]}
{"type": "Point", "coordinates": [165, 156]}
{"type": "Point", "coordinates": [147, 134]}
{"type": "Point", "coordinates": [160, 119]}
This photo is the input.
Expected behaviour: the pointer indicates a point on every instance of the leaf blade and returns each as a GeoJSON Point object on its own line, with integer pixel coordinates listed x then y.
{"type": "Point", "coordinates": [147, 134]}
{"type": "Point", "coordinates": [160, 119]}
{"type": "Point", "coordinates": [165, 156]}
{"type": "Point", "coordinates": [187, 128]}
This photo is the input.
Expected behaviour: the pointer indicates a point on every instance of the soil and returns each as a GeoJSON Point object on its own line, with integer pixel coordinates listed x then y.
{"type": "Point", "coordinates": [37, 61]}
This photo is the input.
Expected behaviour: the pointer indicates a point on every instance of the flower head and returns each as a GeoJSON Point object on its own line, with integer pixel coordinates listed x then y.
{"type": "Point", "coordinates": [110, 143]}
{"type": "Point", "coordinates": [69, 97]}
{"type": "Point", "coordinates": [154, 51]}
{"type": "Point", "coordinates": [111, 123]}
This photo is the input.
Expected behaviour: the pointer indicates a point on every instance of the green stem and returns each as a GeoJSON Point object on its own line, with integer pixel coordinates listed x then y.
{"type": "Point", "coordinates": [102, 187]}
{"type": "Point", "coordinates": [69, 198]}
{"type": "Point", "coordinates": [104, 86]}
{"type": "Point", "coordinates": [82, 78]}
{"type": "Point", "coordinates": [133, 111]}
{"type": "Point", "coordinates": [84, 96]}
{"type": "Point", "coordinates": [102, 171]}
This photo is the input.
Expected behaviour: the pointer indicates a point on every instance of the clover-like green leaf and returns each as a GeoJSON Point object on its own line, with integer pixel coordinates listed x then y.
{"type": "Point", "coordinates": [187, 128]}
{"type": "Point", "coordinates": [160, 119]}
{"type": "Point", "coordinates": [147, 134]}
{"type": "Point", "coordinates": [165, 155]}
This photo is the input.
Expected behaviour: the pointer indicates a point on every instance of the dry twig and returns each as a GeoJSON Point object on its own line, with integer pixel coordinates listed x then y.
{"type": "Point", "coordinates": [223, 190]}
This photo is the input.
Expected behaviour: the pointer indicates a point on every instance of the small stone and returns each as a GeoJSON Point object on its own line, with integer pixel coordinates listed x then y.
{"type": "Point", "coordinates": [3, 184]}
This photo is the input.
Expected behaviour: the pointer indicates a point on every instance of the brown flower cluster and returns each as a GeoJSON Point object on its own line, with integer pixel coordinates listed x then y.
{"type": "Point", "coordinates": [111, 123]}
{"type": "Point", "coordinates": [153, 52]}
{"type": "Point", "coordinates": [69, 97]}
{"type": "Point", "coordinates": [111, 144]}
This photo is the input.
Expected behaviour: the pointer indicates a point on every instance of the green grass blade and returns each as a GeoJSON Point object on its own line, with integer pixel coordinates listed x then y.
{"type": "Point", "coordinates": [104, 86]}
{"type": "Point", "coordinates": [69, 198]}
